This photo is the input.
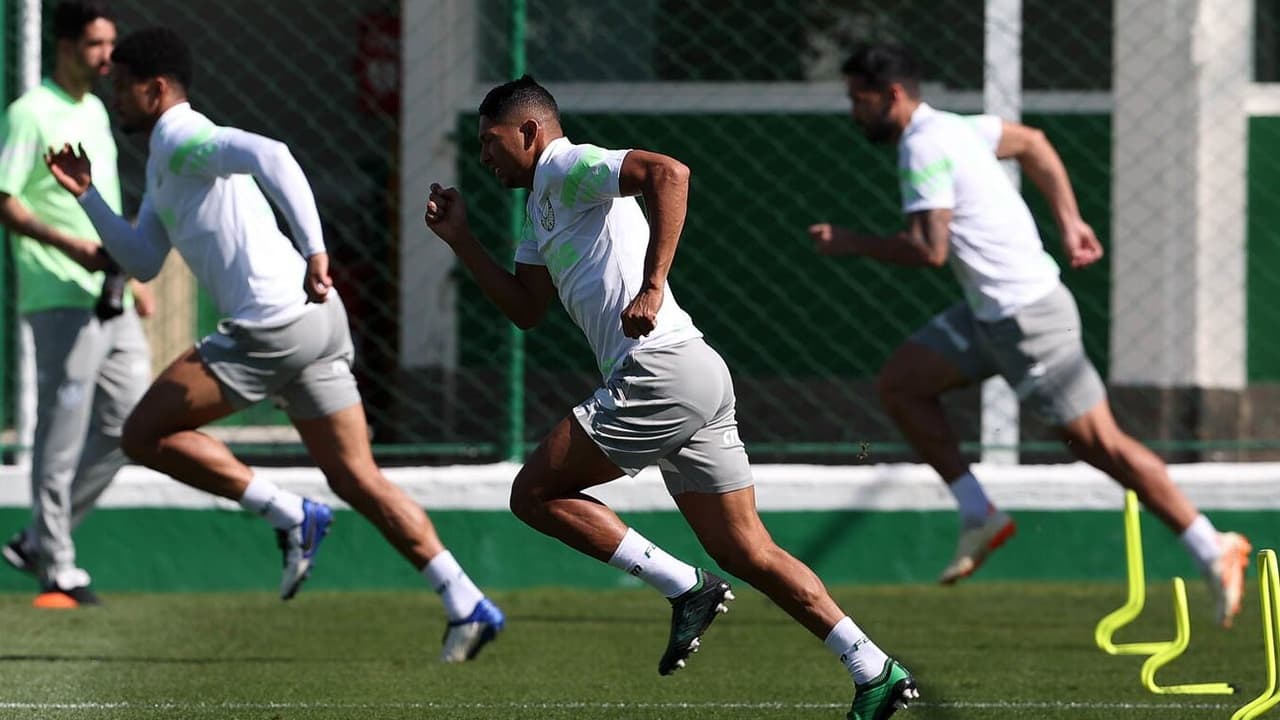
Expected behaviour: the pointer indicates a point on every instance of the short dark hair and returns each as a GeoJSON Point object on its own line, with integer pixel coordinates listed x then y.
{"type": "Point", "coordinates": [71, 16]}
{"type": "Point", "coordinates": [155, 52]}
{"type": "Point", "coordinates": [523, 93]}
{"type": "Point", "coordinates": [883, 64]}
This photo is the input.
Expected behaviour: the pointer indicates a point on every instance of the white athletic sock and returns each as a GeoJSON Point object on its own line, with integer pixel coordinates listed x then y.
{"type": "Point", "coordinates": [1201, 540]}
{"type": "Point", "coordinates": [653, 565]}
{"type": "Point", "coordinates": [280, 507]}
{"type": "Point", "coordinates": [973, 501]}
{"type": "Point", "coordinates": [456, 590]}
{"type": "Point", "coordinates": [861, 657]}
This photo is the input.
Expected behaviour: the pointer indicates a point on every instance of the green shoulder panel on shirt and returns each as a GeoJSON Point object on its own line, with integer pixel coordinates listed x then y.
{"type": "Point", "coordinates": [193, 154]}
{"type": "Point", "coordinates": [929, 175]}
{"type": "Point", "coordinates": [582, 176]}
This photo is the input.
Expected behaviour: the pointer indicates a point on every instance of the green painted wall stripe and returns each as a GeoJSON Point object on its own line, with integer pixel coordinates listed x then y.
{"type": "Point", "coordinates": [591, 157]}
{"type": "Point", "coordinates": [192, 550]}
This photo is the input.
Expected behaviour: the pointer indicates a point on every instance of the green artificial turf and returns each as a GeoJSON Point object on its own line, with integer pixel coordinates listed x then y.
{"type": "Point", "coordinates": [982, 650]}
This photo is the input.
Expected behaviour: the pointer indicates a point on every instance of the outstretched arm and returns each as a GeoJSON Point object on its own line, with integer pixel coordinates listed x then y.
{"type": "Point", "coordinates": [523, 296]}
{"type": "Point", "coordinates": [663, 182]}
{"type": "Point", "coordinates": [1040, 162]}
{"type": "Point", "coordinates": [925, 242]}
{"type": "Point", "coordinates": [140, 251]}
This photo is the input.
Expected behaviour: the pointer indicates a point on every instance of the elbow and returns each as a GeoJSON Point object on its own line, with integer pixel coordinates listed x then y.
{"type": "Point", "coordinates": [275, 154]}
{"type": "Point", "coordinates": [141, 266]}
{"type": "Point", "coordinates": [279, 150]}
{"type": "Point", "coordinates": [1037, 144]}
{"type": "Point", "coordinates": [677, 173]}
{"type": "Point", "coordinates": [527, 320]}
{"type": "Point", "coordinates": [142, 272]}
{"type": "Point", "coordinates": [669, 172]}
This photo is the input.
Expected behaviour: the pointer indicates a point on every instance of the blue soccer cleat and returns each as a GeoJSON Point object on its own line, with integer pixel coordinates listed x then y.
{"type": "Point", "coordinates": [463, 639]}
{"type": "Point", "coordinates": [300, 544]}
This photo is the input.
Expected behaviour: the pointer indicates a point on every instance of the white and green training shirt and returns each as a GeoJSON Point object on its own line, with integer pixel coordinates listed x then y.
{"type": "Point", "coordinates": [201, 198]}
{"type": "Point", "coordinates": [946, 161]}
{"type": "Point", "coordinates": [593, 241]}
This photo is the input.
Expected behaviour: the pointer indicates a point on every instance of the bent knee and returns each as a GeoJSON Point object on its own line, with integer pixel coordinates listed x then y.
{"type": "Point", "coordinates": [138, 442]}
{"type": "Point", "coordinates": [344, 484]}
{"type": "Point", "coordinates": [744, 561]}
{"type": "Point", "coordinates": [523, 500]}
{"type": "Point", "coordinates": [355, 482]}
{"type": "Point", "coordinates": [894, 385]}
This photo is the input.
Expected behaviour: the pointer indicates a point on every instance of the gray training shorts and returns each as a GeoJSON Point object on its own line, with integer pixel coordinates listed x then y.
{"type": "Point", "coordinates": [1039, 351]}
{"type": "Point", "coordinates": [673, 406]}
{"type": "Point", "coordinates": [304, 365]}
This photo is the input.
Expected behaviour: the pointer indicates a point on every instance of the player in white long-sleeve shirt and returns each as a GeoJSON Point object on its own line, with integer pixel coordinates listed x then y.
{"type": "Point", "coordinates": [284, 335]}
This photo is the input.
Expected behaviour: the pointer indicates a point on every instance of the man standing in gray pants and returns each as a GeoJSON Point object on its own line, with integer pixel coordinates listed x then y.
{"type": "Point", "coordinates": [92, 357]}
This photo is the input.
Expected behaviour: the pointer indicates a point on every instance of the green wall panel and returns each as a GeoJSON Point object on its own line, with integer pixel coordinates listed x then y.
{"type": "Point", "coordinates": [200, 550]}
{"type": "Point", "coordinates": [1264, 250]}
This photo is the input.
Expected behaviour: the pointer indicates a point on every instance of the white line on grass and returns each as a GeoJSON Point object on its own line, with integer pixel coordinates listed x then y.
{"type": "Point", "coordinates": [953, 705]}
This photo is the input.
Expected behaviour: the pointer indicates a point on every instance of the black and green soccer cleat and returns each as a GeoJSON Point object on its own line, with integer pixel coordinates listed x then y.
{"type": "Point", "coordinates": [887, 694]}
{"type": "Point", "coordinates": [691, 615]}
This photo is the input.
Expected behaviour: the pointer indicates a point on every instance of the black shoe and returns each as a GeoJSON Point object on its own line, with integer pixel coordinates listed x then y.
{"type": "Point", "coordinates": [17, 556]}
{"type": "Point", "coordinates": [78, 596]}
{"type": "Point", "coordinates": [691, 615]}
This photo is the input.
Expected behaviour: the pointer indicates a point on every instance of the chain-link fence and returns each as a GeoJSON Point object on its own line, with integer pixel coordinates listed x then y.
{"type": "Point", "coordinates": [1160, 109]}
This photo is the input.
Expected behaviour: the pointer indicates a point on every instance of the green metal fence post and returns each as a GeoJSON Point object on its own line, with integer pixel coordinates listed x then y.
{"type": "Point", "coordinates": [6, 287]}
{"type": "Point", "coordinates": [515, 365]}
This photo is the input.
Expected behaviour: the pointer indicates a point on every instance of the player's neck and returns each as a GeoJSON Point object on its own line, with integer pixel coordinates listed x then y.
{"type": "Point", "coordinates": [539, 149]}
{"type": "Point", "coordinates": [170, 101]}
{"type": "Point", "coordinates": [904, 115]}
{"type": "Point", "coordinates": [73, 84]}
{"type": "Point", "coordinates": [167, 103]}
{"type": "Point", "coordinates": [908, 110]}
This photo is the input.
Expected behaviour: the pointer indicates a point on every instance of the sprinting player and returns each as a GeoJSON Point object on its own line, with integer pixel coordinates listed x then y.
{"type": "Point", "coordinates": [1018, 320]}
{"type": "Point", "coordinates": [93, 365]}
{"type": "Point", "coordinates": [285, 335]}
{"type": "Point", "coordinates": [667, 396]}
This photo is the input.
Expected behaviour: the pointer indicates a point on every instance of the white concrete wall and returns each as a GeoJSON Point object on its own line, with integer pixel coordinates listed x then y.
{"type": "Point", "coordinates": [1183, 71]}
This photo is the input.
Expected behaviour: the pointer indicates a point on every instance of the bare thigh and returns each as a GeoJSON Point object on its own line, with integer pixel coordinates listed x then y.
{"type": "Point", "coordinates": [566, 462]}
{"type": "Point", "coordinates": [185, 396]}
{"type": "Point", "coordinates": [920, 371]}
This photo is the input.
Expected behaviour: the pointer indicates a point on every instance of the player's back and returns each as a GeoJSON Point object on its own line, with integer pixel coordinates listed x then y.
{"type": "Point", "coordinates": [222, 224]}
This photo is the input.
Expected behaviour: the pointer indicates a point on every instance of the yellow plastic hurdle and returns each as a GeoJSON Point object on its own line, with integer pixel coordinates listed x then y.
{"type": "Point", "coordinates": [1161, 652]}
{"type": "Point", "coordinates": [1269, 593]}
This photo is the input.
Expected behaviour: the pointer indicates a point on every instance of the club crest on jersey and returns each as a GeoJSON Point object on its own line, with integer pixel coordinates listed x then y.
{"type": "Point", "coordinates": [548, 214]}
